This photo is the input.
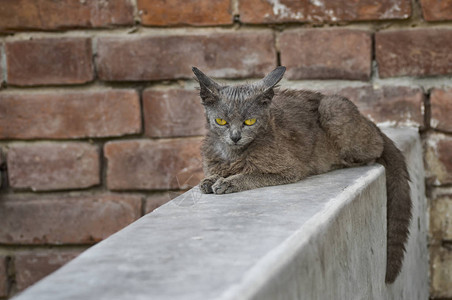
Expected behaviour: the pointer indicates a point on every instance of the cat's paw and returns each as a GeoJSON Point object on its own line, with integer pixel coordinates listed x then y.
{"type": "Point", "coordinates": [224, 186]}
{"type": "Point", "coordinates": [206, 184]}
{"type": "Point", "coordinates": [350, 163]}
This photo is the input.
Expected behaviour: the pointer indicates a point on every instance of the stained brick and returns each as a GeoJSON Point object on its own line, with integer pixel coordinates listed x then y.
{"type": "Point", "coordinates": [180, 12]}
{"type": "Point", "coordinates": [65, 219]}
{"type": "Point", "coordinates": [415, 52]}
{"type": "Point", "coordinates": [3, 277]}
{"type": "Point", "coordinates": [441, 272]}
{"type": "Point", "coordinates": [74, 114]}
{"type": "Point", "coordinates": [438, 159]}
{"type": "Point", "coordinates": [441, 217]}
{"type": "Point", "coordinates": [237, 54]}
{"type": "Point", "coordinates": [51, 15]}
{"type": "Point", "coordinates": [2, 165]}
{"type": "Point", "coordinates": [2, 67]}
{"type": "Point", "coordinates": [153, 165]}
{"type": "Point", "coordinates": [441, 109]}
{"type": "Point", "coordinates": [326, 53]}
{"type": "Point", "coordinates": [396, 105]}
{"type": "Point", "coordinates": [266, 11]}
{"type": "Point", "coordinates": [49, 61]}
{"type": "Point", "coordinates": [173, 112]}
{"type": "Point", "coordinates": [434, 10]}
{"type": "Point", "coordinates": [53, 166]}
{"type": "Point", "coordinates": [31, 266]}
{"type": "Point", "coordinates": [154, 201]}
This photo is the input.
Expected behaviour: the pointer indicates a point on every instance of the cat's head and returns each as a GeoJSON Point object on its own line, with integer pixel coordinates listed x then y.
{"type": "Point", "coordinates": [238, 114]}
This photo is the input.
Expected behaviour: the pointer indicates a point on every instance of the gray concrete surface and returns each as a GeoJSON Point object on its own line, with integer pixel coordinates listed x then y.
{"type": "Point", "coordinates": [413, 281]}
{"type": "Point", "coordinates": [321, 238]}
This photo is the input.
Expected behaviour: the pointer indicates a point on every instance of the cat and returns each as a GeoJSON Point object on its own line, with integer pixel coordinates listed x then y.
{"type": "Point", "coordinates": [262, 136]}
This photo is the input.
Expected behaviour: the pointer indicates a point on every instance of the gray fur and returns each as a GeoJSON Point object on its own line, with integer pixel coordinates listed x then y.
{"type": "Point", "coordinates": [298, 133]}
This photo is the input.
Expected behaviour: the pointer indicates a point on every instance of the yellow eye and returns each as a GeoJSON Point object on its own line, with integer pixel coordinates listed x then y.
{"type": "Point", "coordinates": [221, 121]}
{"type": "Point", "coordinates": [250, 122]}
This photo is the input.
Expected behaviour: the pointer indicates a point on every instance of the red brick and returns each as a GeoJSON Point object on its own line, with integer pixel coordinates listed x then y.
{"type": "Point", "coordinates": [3, 277]}
{"type": "Point", "coordinates": [396, 105]}
{"type": "Point", "coordinates": [152, 165]}
{"type": "Point", "coordinates": [31, 266]}
{"type": "Point", "coordinates": [53, 166]}
{"type": "Point", "coordinates": [69, 114]}
{"type": "Point", "coordinates": [184, 196]}
{"type": "Point", "coordinates": [185, 12]}
{"type": "Point", "coordinates": [51, 15]}
{"type": "Point", "coordinates": [49, 61]}
{"type": "Point", "coordinates": [438, 159]}
{"type": "Point", "coordinates": [282, 11]}
{"type": "Point", "coordinates": [326, 53]}
{"type": "Point", "coordinates": [415, 52]}
{"type": "Point", "coordinates": [155, 201]}
{"type": "Point", "coordinates": [173, 112]}
{"type": "Point", "coordinates": [441, 108]}
{"type": "Point", "coordinates": [228, 55]}
{"type": "Point", "coordinates": [436, 10]}
{"type": "Point", "coordinates": [65, 219]}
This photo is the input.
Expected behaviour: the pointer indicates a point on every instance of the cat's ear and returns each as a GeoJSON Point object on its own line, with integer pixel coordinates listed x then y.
{"type": "Point", "coordinates": [209, 88]}
{"type": "Point", "coordinates": [272, 79]}
{"type": "Point", "coordinates": [267, 84]}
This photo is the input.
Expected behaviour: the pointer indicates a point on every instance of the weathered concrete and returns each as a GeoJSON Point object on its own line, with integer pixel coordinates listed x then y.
{"type": "Point", "coordinates": [321, 238]}
{"type": "Point", "coordinates": [413, 281]}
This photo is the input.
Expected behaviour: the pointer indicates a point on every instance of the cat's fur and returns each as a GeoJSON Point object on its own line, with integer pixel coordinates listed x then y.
{"type": "Point", "coordinates": [297, 134]}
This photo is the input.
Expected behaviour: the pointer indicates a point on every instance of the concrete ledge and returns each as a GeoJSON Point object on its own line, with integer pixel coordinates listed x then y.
{"type": "Point", "coordinates": [321, 238]}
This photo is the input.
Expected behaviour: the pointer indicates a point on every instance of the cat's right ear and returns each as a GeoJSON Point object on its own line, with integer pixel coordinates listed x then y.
{"type": "Point", "coordinates": [208, 88]}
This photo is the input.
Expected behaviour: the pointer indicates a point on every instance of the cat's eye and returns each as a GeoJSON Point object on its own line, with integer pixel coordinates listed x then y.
{"type": "Point", "coordinates": [221, 121]}
{"type": "Point", "coordinates": [250, 122]}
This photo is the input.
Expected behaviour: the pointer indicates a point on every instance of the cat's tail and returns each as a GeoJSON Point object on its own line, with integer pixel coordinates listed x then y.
{"type": "Point", "coordinates": [398, 207]}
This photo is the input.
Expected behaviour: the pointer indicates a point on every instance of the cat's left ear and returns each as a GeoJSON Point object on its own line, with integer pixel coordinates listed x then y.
{"type": "Point", "coordinates": [267, 84]}
{"type": "Point", "coordinates": [271, 79]}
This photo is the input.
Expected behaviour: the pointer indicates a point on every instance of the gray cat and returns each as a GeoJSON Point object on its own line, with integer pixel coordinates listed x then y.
{"type": "Point", "coordinates": [261, 137]}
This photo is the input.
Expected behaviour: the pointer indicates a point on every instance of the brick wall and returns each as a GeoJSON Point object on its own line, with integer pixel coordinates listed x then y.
{"type": "Point", "coordinates": [99, 116]}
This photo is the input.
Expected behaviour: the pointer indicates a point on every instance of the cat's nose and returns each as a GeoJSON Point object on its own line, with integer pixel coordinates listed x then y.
{"type": "Point", "coordinates": [235, 137]}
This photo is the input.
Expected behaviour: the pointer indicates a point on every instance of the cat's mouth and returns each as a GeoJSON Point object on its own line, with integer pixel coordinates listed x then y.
{"type": "Point", "coordinates": [237, 145]}
{"type": "Point", "coordinates": [233, 145]}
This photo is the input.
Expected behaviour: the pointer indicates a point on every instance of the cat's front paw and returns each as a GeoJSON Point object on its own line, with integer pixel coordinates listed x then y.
{"type": "Point", "coordinates": [206, 184]}
{"type": "Point", "coordinates": [224, 186]}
